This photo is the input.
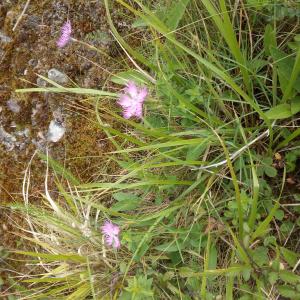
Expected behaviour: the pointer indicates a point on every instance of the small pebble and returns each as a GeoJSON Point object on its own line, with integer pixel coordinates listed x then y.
{"type": "Point", "coordinates": [13, 106]}
{"type": "Point", "coordinates": [55, 132]}
{"type": "Point", "coordinates": [57, 76]}
{"type": "Point", "coordinates": [41, 82]}
{"type": "Point", "coordinates": [4, 38]}
{"type": "Point", "coordinates": [7, 139]}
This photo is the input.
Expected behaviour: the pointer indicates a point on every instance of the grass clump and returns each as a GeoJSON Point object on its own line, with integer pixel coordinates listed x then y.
{"type": "Point", "coordinates": [206, 202]}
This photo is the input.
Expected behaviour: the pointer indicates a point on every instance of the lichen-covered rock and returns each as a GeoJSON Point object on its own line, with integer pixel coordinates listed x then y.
{"type": "Point", "coordinates": [13, 106]}
{"type": "Point", "coordinates": [56, 131]}
{"type": "Point", "coordinates": [57, 76]}
{"type": "Point", "coordinates": [7, 139]}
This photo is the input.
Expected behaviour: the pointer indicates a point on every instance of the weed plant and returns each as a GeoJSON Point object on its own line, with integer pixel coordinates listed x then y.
{"type": "Point", "coordinates": [205, 193]}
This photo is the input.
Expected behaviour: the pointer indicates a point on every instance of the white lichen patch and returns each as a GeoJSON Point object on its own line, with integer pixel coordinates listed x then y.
{"type": "Point", "coordinates": [13, 106]}
{"type": "Point", "coordinates": [56, 131]}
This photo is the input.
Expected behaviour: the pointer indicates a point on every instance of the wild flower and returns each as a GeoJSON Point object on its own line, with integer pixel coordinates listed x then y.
{"type": "Point", "coordinates": [65, 35]}
{"type": "Point", "coordinates": [111, 234]}
{"type": "Point", "coordinates": [132, 100]}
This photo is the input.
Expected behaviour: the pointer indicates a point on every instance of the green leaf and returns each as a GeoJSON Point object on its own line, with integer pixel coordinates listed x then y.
{"type": "Point", "coordinates": [289, 277]}
{"type": "Point", "coordinates": [126, 201]}
{"type": "Point", "coordinates": [286, 227]}
{"type": "Point", "coordinates": [285, 65]}
{"type": "Point", "coordinates": [295, 105]}
{"type": "Point", "coordinates": [124, 77]}
{"type": "Point", "coordinates": [140, 288]}
{"type": "Point", "coordinates": [258, 4]}
{"type": "Point", "coordinates": [246, 274]}
{"type": "Point", "coordinates": [270, 240]}
{"type": "Point", "coordinates": [194, 152]}
{"type": "Point", "coordinates": [139, 22]}
{"type": "Point", "coordinates": [269, 39]}
{"type": "Point", "coordinates": [272, 277]}
{"type": "Point", "coordinates": [288, 292]}
{"type": "Point", "coordinates": [289, 256]}
{"type": "Point", "coordinates": [213, 257]}
{"type": "Point", "coordinates": [125, 205]}
{"type": "Point", "coordinates": [121, 196]}
{"type": "Point", "coordinates": [168, 247]}
{"type": "Point", "coordinates": [186, 272]}
{"type": "Point", "coordinates": [279, 214]}
{"type": "Point", "coordinates": [260, 256]}
{"type": "Point", "coordinates": [175, 13]}
{"type": "Point", "coordinates": [281, 111]}
{"type": "Point", "coordinates": [270, 171]}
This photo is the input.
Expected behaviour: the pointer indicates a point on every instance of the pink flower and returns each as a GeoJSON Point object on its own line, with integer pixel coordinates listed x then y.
{"type": "Point", "coordinates": [132, 100]}
{"type": "Point", "coordinates": [111, 234]}
{"type": "Point", "coordinates": [65, 36]}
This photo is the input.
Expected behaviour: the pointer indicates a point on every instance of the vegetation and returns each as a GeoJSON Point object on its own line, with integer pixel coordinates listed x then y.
{"type": "Point", "coordinates": [204, 187]}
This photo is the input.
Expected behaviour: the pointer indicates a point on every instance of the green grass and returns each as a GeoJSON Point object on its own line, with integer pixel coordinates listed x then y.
{"type": "Point", "coordinates": [201, 191]}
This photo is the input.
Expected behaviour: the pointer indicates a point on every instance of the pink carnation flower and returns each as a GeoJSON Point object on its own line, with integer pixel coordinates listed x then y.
{"type": "Point", "coordinates": [65, 36]}
{"type": "Point", "coordinates": [132, 100]}
{"type": "Point", "coordinates": [111, 234]}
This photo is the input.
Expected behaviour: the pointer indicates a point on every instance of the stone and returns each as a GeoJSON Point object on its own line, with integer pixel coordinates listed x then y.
{"type": "Point", "coordinates": [56, 131]}
{"type": "Point", "coordinates": [4, 38]}
{"type": "Point", "coordinates": [7, 139]}
{"type": "Point", "coordinates": [13, 106]}
{"type": "Point", "coordinates": [57, 76]}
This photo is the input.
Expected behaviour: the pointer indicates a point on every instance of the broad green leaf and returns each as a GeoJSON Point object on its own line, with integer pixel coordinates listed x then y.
{"type": "Point", "coordinates": [168, 247]}
{"type": "Point", "coordinates": [246, 274]}
{"type": "Point", "coordinates": [279, 215]}
{"type": "Point", "coordinates": [269, 39]}
{"type": "Point", "coordinates": [260, 255]}
{"type": "Point", "coordinates": [213, 258]}
{"type": "Point", "coordinates": [186, 272]}
{"type": "Point", "coordinates": [285, 65]}
{"type": "Point", "coordinates": [270, 171]}
{"type": "Point", "coordinates": [121, 196]}
{"type": "Point", "coordinates": [289, 256]}
{"type": "Point", "coordinates": [258, 4]}
{"type": "Point", "coordinates": [126, 201]}
{"type": "Point", "coordinates": [288, 292]}
{"type": "Point", "coordinates": [139, 22]}
{"type": "Point", "coordinates": [294, 79]}
{"type": "Point", "coordinates": [125, 205]}
{"type": "Point", "coordinates": [295, 105]}
{"type": "Point", "coordinates": [175, 13]}
{"type": "Point", "coordinates": [289, 277]}
{"type": "Point", "coordinates": [281, 111]}
{"type": "Point", "coordinates": [272, 277]}
{"type": "Point", "coordinates": [140, 288]}
{"type": "Point", "coordinates": [194, 152]}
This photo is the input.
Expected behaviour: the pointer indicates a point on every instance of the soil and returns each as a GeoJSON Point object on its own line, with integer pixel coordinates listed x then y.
{"type": "Point", "coordinates": [24, 118]}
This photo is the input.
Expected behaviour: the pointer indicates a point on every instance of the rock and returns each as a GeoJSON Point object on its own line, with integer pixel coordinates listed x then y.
{"type": "Point", "coordinates": [13, 106]}
{"type": "Point", "coordinates": [23, 133]}
{"type": "Point", "coordinates": [7, 139]}
{"type": "Point", "coordinates": [4, 38]}
{"type": "Point", "coordinates": [56, 131]}
{"type": "Point", "coordinates": [41, 82]}
{"type": "Point", "coordinates": [57, 76]}
{"type": "Point", "coordinates": [33, 62]}
{"type": "Point", "coordinates": [35, 111]}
